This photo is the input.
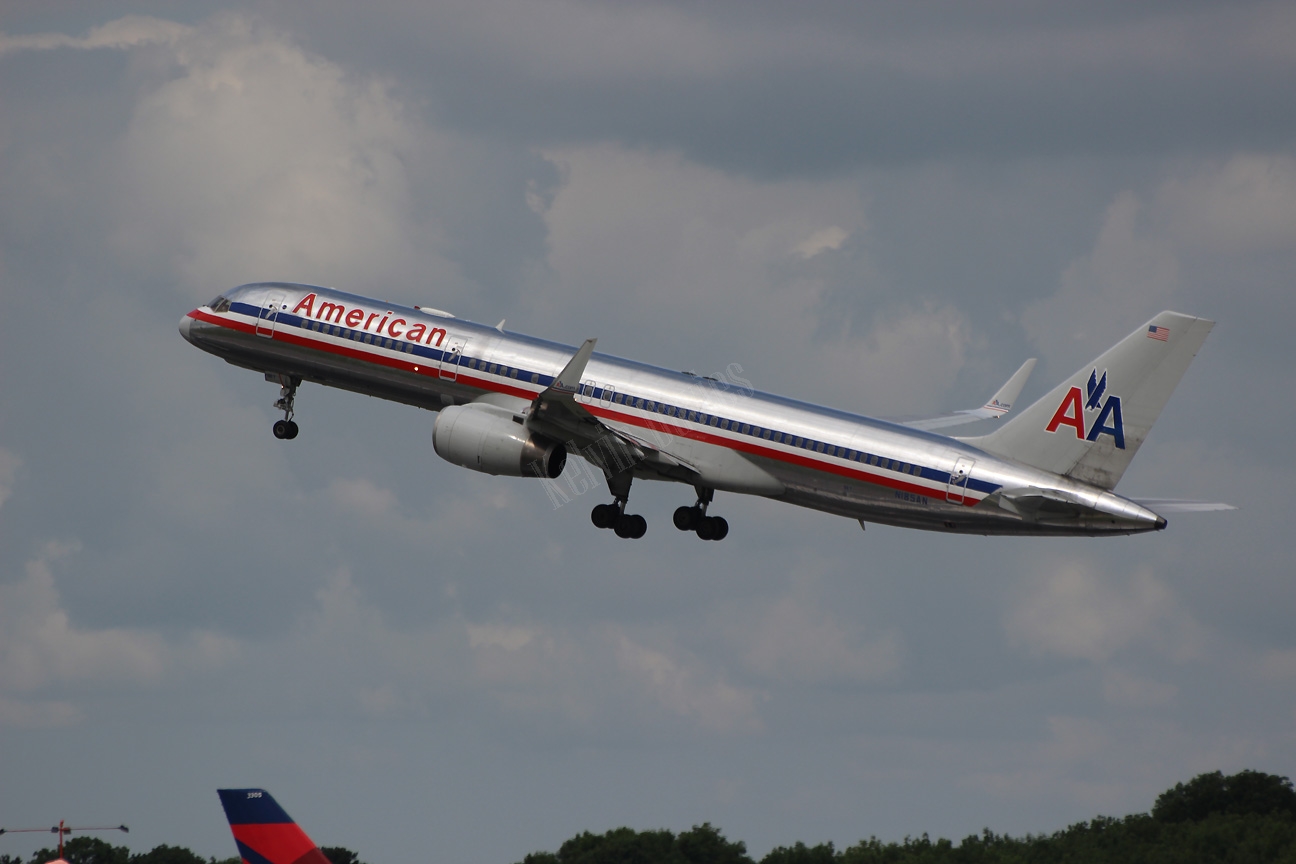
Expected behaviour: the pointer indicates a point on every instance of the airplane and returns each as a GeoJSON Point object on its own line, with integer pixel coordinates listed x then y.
{"type": "Point", "coordinates": [515, 405]}
{"type": "Point", "coordinates": [265, 834]}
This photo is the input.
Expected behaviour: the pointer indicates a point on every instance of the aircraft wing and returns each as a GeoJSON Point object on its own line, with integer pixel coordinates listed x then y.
{"type": "Point", "coordinates": [556, 413]}
{"type": "Point", "coordinates": [997, 406]}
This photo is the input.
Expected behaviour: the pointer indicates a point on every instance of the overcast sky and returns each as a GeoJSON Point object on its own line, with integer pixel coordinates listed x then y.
{"type": "Point", "coordinates": [881, 207]}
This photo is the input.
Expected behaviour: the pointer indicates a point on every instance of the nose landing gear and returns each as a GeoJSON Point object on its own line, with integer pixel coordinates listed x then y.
{"type": "Point", "coordinates": [285, 428]}
{"type": "Point", "coordinates": [695, 518]}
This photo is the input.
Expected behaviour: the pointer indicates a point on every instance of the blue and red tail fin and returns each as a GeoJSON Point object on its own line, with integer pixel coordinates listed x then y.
{"type": "Point", "coordinates": [265, 834]}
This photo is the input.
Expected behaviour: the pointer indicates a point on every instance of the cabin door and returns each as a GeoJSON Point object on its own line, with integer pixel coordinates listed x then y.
{"type": "Point", "coordinates": [956, 491]}
{"type": "Point", "coordinates": [450, 357]}
{"type": "Point", "coordinates": [270, 309]}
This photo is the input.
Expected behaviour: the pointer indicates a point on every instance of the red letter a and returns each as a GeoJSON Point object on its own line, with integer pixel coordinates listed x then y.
{"type": "Point", "coordinates": [1069, 413]}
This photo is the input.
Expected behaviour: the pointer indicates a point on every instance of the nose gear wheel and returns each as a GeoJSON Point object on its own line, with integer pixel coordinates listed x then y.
{"type": "Point", "coordinates": [285, 429]}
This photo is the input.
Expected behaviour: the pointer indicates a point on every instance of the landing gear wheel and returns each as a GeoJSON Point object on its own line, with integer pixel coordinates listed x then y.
{"type": "Point", "coordinates": [285, 428]}
{"type": "Point", "coordinates": [631, 527]}
{"type": "Point", "coordinates": [712, 528]}
{"type": "Point", "coordinates": [604, 515]}
{"type": "Point", "coordinates": [686, 518]}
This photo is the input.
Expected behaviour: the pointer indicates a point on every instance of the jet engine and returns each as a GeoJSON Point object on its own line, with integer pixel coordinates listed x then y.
{"type": "Point", "coordinates": [487, 439]}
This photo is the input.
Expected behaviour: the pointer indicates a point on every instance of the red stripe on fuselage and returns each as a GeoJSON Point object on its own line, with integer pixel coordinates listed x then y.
{"type": "Point", "coordinates": [433, 371]}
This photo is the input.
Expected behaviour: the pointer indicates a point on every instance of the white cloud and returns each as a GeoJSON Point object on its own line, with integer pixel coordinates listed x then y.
{"type": "Point", "coordinates": [792, 639]}
{"type": "Point", "coordinates": [1242, 207]}
{"type": "Point", "coordinates": [42, 649]}
{"type": "Point", "coordinates": [259, 160]}
{"type": "Point", "coordinates": [708, 265]}
{"type": "Point", "coordinates": [1121, 687]}
{"type": "Point", "coordinates": [9, 464]}
{"type": "Point", "coordinates": [362, 496]}
{"type": "Point", "coordinates": [1079, 613]}
{"type": "Point", "coordinates": [41, 646]}
{"type": "Point", "coordinates": [682, 689]}
{"type": "Point", "coordinates": [1130, 274]}
{"type": "Point", "coordinates": [1246, 205]}
{"type": "Point", "coordinates": [823, 240]}
{"type": "Point", "coordinates": [128, 32]}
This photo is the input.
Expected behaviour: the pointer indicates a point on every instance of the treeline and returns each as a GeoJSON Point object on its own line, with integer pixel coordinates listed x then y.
{"type": "Point", "coordinates": [1247, 818]}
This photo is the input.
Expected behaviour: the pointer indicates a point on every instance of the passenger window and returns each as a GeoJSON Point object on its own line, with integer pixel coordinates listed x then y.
{"type": "Point", "coordinates": [745, 428]}
{"type": "Point", "coordinates": [819, 447]}
{"type": "Point", "coordinates": [535, 377]}
{"type": "Point", "coordinates": [639, 403]}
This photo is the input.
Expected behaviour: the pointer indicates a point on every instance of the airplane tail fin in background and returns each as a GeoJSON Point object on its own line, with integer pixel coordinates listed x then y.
{"type": "Point", "coordinates": [265, 834]}
{"type": "Point", "coordinates": [1091, 425]}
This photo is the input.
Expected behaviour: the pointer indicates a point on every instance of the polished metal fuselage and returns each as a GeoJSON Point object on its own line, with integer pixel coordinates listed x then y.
{"type": "Point", "coordinates": [721, 434]}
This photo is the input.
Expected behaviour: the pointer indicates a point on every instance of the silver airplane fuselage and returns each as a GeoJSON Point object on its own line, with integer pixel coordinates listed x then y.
{"type": "Point", "coordinates": [713, 435]}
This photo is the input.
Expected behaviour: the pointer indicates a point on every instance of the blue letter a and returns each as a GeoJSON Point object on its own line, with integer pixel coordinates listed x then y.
{"type": "Point", "coordinates": [1111, 409]}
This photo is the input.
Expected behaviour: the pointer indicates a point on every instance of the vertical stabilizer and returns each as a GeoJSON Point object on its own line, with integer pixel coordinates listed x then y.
{"type": "Point", "coordinates": [264, 832]}
{"type": "Point", "coordinates": [1091, 425]}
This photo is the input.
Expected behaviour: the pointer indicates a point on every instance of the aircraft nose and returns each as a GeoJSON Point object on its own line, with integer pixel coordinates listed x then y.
{"type": "Point", "coordinates": [185, 324]}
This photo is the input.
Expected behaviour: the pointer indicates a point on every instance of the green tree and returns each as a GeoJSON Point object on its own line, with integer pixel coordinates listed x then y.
{"type": "Point", "coordinates": [92, 850]}
{"type": "Point", "coordinates": [801, 854]}
{"type": "Point", "coordinates": [706, 845]}
{"type": "Point", "coordinates": [1247, 792]}
{"type": "Point", "coordinates": [165, 854]}
{"type": "Point", "coordinates": [340, 855]}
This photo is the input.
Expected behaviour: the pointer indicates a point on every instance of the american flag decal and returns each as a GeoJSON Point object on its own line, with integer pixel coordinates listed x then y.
{"type": "Point", "coordinates": [1161, 334]}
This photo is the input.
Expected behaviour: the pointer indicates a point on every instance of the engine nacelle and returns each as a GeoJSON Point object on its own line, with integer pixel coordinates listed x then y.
{"type": "Point", "coordinates": [487, 439]}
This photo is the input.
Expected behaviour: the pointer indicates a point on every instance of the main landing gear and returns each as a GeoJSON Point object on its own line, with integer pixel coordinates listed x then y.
{"type": "Point", "coordinates": [285, 428]}
{"type": "Point", "coordinates": [628, 526]}
{"type": "Point", "coordinates": [695, 519]}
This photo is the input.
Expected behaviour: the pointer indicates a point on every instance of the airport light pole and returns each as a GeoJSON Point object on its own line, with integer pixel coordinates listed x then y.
{"type": "Point", "coordinates": [61, 829]}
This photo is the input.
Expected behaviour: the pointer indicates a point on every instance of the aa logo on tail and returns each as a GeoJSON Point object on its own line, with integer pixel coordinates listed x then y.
{"type": "Point", "coordinates": [1074, 405]}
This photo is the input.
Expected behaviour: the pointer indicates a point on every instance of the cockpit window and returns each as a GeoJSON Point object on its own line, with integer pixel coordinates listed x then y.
{"type": "Point", "coordinates": [220, 304]}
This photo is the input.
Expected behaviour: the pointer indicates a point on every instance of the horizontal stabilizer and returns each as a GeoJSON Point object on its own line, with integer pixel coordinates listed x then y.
{"type": "Point", "coordinates": [997, 406]}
